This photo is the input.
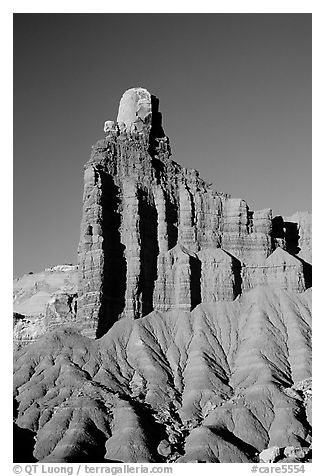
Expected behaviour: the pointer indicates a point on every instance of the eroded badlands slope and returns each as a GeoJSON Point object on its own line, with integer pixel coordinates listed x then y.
{"type": "Point", "coordinates": [215, 383]}
{"type": "Point", "coordinates": [184, 332]}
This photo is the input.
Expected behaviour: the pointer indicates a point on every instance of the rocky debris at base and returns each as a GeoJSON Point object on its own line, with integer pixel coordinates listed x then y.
{"type": "Point", "coordinates": [298, 453]}
{"type": "Point", "coordinates": [269, 455]}
{"type": "Point", "coordinates": [288, 454]}
{"type": "Point", "coordinates": [304, 388]}
{"type": "Point", "coordinates": [164, 448]}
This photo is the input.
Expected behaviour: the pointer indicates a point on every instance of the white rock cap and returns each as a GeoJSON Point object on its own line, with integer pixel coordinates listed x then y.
{"type": "Point", "coordinates": [135, 108]}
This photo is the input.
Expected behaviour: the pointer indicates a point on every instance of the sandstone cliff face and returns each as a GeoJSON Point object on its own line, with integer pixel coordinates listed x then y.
{"type": "Point", "coordinates": [280, 269]}
{"type": "Point", "coordinates": [154, 235]}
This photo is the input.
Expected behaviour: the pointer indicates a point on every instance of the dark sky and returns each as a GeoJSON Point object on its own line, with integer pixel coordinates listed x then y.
{"type": "Point", "coordinates": [234, 89]}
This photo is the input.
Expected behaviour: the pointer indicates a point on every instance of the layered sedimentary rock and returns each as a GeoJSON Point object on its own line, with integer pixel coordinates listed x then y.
{"type": "Point", "coordinates": [280, 269]}
{"type": "Point", "coordinates": [175, 284]}
{"type": "Point", "coordinates": [154, 235]}
{"type": "Point", "coordinates": [43, 301]}
{"type": "Point", "coordinates": [201, 309]}
{"type": "Point", "coordinates": [302, 225]}
{"type": "Point", "coordinates": [220, 275]}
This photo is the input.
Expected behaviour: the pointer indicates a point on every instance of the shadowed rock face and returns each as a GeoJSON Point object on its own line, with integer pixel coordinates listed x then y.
{"type": "Point", "coordinates": [192, 337]}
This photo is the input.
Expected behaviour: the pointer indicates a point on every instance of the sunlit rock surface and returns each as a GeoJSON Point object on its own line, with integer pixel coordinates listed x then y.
{"type": "Point", "coordinates": [42, 301]}
{"type": "Point", "coordinates": [154, 235]}
{"type": "Point", "coordinates": [184, 333]}
{"type": "Point", "coordinates": [216, 383]}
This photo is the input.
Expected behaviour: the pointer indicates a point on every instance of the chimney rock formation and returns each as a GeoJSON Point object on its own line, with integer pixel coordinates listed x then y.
{"type": "Point", "coordinates": [192, 338]}
{"type": "Point", "coordinates": [154, 235]}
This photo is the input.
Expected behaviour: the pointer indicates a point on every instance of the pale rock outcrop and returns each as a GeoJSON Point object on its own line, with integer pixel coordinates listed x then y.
{"type": "Point", "coordinates": [270, 455]}
{"type": "Point", "coordinates": [32, 292]}
{"type": "Point", "coordinates": [110, 126]}
{"type": "Point", "coordinates": [135, 109]}
{"type": "Point", "coordinates": [61, 309]}
{"type": "Point", "coordinates": [296, 452]}
{"type": "Point", "coordinates": [27, 329]}
{"type": "Point", "coordinates": [43, 301]}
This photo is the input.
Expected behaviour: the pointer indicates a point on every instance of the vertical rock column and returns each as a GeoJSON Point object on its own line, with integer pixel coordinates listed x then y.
{"type": "Point", "coordinates": [162, 228]}
{"type": "Point", "coordinates": [149, 250]}
{"type": "Point", "coordinates": [260, 239]}
{"type": "Point", "coordinates": [90, 254]}
{"type": "Point", "coordinates": [130, 238]}
{"type": "Point", "coordinates": [140, 239]}
{"type": "Point", "coordinates": [187, 229]}
{"type": "Point", "coordinates": [176, 282]}
{"type": "Point", "coordinates": [220, 275]}
{"type": "Point", "coordinates": [235, 227]}
{"type": "Point", "coordinates": [182, 280]}
{"type": "Point", "coordinates": [208, 208]}
{"type": "Point", "coordinates": [102, 264]}
{"type": "Point", "coordinates": [245, 234]}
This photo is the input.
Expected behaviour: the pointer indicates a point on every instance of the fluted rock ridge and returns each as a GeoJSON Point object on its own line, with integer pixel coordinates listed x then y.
{"type": "Point", "coordinates": [148, 225]}
{"type": "Point", "coordinates": [192, 338]}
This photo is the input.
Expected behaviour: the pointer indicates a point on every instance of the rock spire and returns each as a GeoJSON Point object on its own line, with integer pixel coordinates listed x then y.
{"type": "Point", "coordinates": [154, 235]}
